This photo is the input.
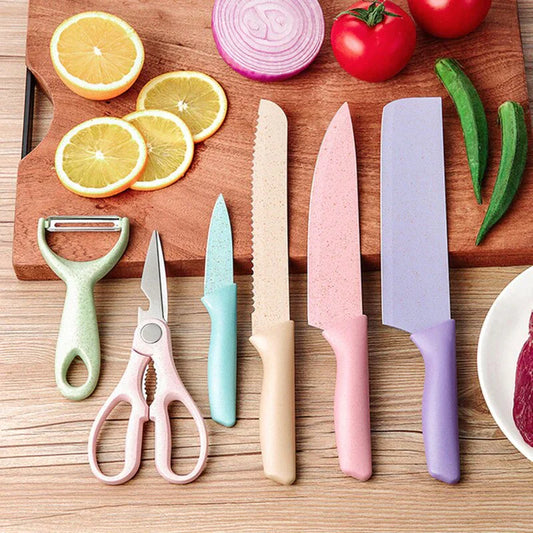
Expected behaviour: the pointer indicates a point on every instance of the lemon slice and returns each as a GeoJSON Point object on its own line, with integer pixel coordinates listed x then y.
{"type": "Point", "coordinates": [196, 98]}
{"type": "Point", "coordinates": [97, 55]}
{"type": "Point", "coordinates": [101, 157]}
{"type": "Point", "coordinates": [170, 148]}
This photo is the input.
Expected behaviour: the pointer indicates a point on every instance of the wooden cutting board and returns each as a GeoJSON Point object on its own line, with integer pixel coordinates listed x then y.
{"type": "Point", "coordinates": [176, 36]}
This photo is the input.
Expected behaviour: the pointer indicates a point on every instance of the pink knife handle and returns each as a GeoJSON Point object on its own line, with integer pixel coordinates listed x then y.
{"type": "Point", "coordinates": [129, 391]}
{"type": "Point", "coordinates": [352, 406]}
{"type": "Point", "coordinates": [170, 389]}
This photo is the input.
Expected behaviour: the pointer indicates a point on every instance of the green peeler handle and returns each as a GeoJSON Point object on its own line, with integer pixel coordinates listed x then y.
{"type": "Point", "coordinates": [78, 337]}
{"type": "Point", "coordinates": [78, 332]}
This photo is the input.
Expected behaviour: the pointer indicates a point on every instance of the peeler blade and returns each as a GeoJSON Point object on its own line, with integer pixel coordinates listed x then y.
{"type": "Point", "coordinates": [64, 223]}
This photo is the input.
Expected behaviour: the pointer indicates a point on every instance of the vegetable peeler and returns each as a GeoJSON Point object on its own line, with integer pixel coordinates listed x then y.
{"type": "Point", "coordinates": [78, 332]}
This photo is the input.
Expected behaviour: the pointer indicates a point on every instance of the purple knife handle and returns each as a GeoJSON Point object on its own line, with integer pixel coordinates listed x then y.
{"type": "Point", "coordinates": [439, 403]}
{"type": "Point", "coordinates": [349, 341]}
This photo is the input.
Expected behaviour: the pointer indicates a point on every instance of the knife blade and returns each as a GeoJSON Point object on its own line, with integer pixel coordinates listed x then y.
{"type": "Point", "coordinates": [414, 268]}
{"type": "Point", "coordinates": [334, 289]}
{"type": "Point", "coordinates": [272, 329]}
{"type": "Point", "coordinates": [220, 300]}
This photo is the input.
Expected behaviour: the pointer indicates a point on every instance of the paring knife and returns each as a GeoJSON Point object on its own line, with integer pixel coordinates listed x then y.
{"type": "Point", "coordinates": [272, 328]}
{"type": "Point", "coordinates": [334, 289]}
{"type": "Point", "coordinates": [220, 300]}
{"type": "Point", "coordinates": [414, 265]}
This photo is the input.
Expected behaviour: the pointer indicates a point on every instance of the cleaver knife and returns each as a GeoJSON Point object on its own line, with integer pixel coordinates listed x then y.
{"type": "Point", "coordinates": [334, 289]}
{"type": "Point", "coordinates": [414, 265]}
{"type": "Point", "coordinates": [272, 328]}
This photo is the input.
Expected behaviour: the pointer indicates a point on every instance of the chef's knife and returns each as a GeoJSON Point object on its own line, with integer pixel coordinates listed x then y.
{"type": "Point", "coordinates": [334, 289]}
{"type": "Point", "coordinates": [220, 300]}
{"type": "Point", "coordinates": [272, 328]}
{"type": "Point", "coordinates": [414, 265]}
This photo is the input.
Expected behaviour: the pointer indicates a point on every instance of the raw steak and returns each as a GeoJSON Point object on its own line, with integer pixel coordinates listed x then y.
{"type": "Point", "coordinates": [523, 391]}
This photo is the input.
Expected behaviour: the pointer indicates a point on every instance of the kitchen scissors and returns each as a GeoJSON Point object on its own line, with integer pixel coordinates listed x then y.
{"type": "Point", "coordinates": [151, 342]}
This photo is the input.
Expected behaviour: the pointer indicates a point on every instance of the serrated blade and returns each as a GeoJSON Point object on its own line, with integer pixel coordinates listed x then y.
{"type": "Point", "coordinates": [414, 243]}
{"type": "Point", "coordinates": [149, 384]}
{"type": "Point", "coordinates": [334, 265]}
{"type": "Point", "coordinates": [219, 252]}
{"type": "Point", "coordinates": [270, 249]}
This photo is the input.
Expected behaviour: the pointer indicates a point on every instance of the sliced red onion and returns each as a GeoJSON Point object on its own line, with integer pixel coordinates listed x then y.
{"type": "Point", "coordinates": [268, 40]}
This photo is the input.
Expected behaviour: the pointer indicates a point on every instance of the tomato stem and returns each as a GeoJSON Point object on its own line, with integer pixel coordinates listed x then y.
{"type": "Point", "coordinates": [372, 16]}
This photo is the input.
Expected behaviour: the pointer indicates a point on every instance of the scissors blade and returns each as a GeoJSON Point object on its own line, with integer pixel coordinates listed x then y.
{"type": "Point", "coordinates": [154, 281]}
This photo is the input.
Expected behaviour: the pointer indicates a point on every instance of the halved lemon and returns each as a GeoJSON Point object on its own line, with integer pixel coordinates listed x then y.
{"type": "Point", "coordinates": [196, 98]}
{"type": "Point", "coordinates": [170, 148]}
{"type": "Point", "coordinates": [101, 157]}
{"type": "Point", "coordinates": [97, 55]}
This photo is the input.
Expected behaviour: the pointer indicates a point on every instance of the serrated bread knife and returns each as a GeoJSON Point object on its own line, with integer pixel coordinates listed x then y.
{"type": "Point", "coordinates": [272, 328]}
{"type": "Point", "coordinates": [414, 265]}
{"type": "Point", "coordinates": [334, 289]}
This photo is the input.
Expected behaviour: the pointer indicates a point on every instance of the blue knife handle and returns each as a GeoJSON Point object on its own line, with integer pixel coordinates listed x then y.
{"type": "Point", "coordinates": [222, 360]}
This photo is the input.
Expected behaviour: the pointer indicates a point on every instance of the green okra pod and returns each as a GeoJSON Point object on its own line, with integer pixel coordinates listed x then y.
{"type": "Point", "coordinates": [472, 115]}
{"type": "Point", "coordinates": [512, 164]}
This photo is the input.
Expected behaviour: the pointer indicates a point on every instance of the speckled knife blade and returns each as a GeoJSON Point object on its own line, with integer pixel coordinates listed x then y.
{"type": "Point", "coordinates": [270, 249]}
{"type": "Point", "coordinates": [414, 243]}
{"type": "Point", "coordinates": [219, 253]}
{"type": "Point", "coordinates": [334, 266]}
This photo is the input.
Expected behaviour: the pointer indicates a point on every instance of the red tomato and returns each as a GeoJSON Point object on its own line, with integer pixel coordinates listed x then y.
{"type": "Point", "coordinates": [375, 49]}
{"type": "Point", "coordinates": [449, 19]}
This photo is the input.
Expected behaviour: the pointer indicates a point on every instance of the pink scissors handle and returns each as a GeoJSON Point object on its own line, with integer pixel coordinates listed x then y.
{"type": "Point", "coordinates": [170, 389]}
{"type": "Point", "coordinates": [155, 346]}
{"type": "Point", "coordinates": [129, 390]}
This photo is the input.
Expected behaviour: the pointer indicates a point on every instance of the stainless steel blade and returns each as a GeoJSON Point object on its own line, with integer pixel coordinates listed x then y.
{"type": "Point", "coordinates": [219, 253]}
{"type": "Point", "coordinates": [62, 223]}
{"type": "Point", "coordinates": [154, 281]}
{"type": "Point", "coordinates": [269, 219]}
{"type": "Point", "coordinates": [334, 265]}
{"type": "Point", "coordinates": [414, 244]}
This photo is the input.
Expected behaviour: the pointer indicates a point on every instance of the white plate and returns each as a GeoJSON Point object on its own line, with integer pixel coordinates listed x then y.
{"type": "Point", "coordinates": [502, 336]}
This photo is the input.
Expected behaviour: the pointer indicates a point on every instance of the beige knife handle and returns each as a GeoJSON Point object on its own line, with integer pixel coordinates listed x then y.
{"type": "Point", "coordinates": [276, 412]}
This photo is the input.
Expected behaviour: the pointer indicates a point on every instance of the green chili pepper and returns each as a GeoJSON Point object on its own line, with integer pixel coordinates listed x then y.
{"type": "Point", "coordinates": [472, 116]}
{"type": "Point", "coordinates": [513, 162]}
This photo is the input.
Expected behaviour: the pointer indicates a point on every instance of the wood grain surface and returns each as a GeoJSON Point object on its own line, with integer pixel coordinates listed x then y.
{"type": "Point", "coordinates": [45, 481]}
{"type": "Point", "coordinates": [177, 36]}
